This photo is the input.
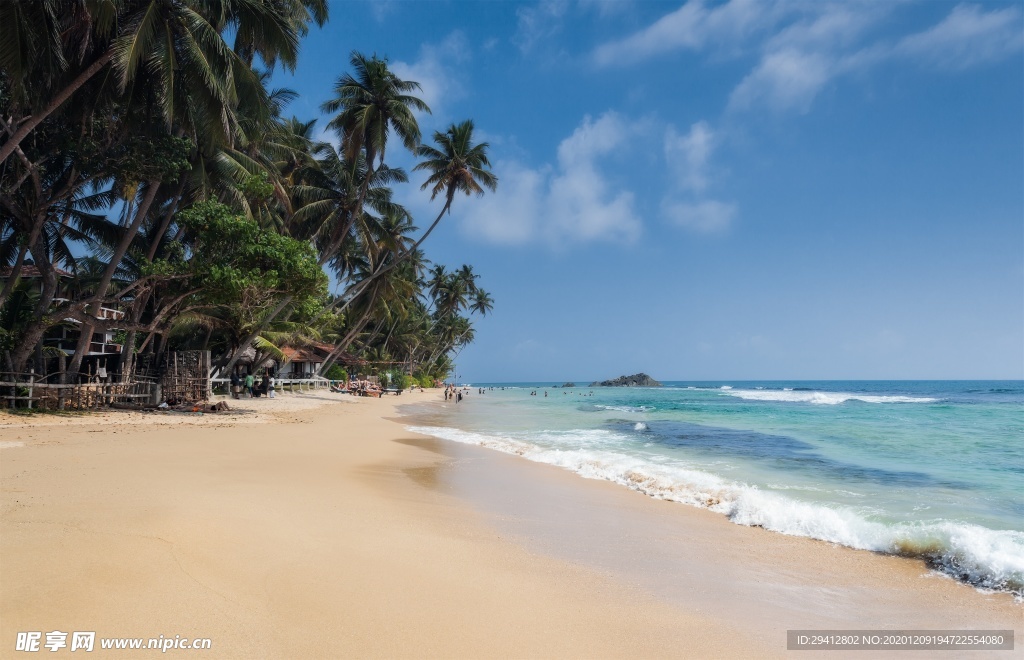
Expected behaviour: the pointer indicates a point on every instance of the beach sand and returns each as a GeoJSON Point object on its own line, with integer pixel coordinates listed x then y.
{"type": "Point", "coordinates": [313, 526]}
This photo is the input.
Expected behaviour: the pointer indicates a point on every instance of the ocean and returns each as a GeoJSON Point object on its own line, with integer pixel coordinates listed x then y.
{"type": "Point", "coordinates": [929, 469]}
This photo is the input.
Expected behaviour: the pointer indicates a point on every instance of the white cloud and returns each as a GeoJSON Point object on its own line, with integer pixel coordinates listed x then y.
{"type": "Point", "coordinates": [434, 72]}
{"type": "Point", "coordinates": [382, 9]}
{"type": "Point", "coordinates": [538, 21]}
{"type": "Point", "coordinates": [689, 158]}
{"type": "Point", "coordinates": [783, 80]}
{"type": "Point", "coordinates": [707, 217]}
{"type": "Point", "coordinates": [571, 202]}
{"type": "Point", "coordinates": [509, 216]}
{"type": "Point", "coordinates": [688, 155]}
{"type": "Point", "coordinates": [966, 37]}
{"type": "Point", "coordinates": [804, 46]}
{"type": "Point", "coordinates": [691, 27]}
{"type": "Point", "coordinates": [605, 8]}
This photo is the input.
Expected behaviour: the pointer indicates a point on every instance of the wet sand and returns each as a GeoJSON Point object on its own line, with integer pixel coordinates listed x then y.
{"type": "Point", "coordinates": [311, 526]}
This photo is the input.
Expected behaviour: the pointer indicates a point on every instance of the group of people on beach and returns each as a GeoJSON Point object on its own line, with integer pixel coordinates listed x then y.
{"type": "Point", "coordinates": [252, 385]}
{"type": "Point", "coordinates": [360, 387]}
{"type": "Point", "coordinates": [451, 392]}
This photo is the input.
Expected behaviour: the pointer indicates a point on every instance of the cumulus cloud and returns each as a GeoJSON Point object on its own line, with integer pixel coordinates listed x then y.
{"type": "Point", "coordinates": [689, 155]}
{"type": "Point", "coordinates": [573, 201]}
{"type": "Point", "coordinates": [434, 72]}
{"type": "Point", "coordinates": [689, 159]}
{"type": "Point", "coordinates": [511, 215]}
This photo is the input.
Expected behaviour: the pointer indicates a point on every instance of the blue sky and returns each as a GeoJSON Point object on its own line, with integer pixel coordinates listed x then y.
{"type": "Point", "coordinates": [721, 190]}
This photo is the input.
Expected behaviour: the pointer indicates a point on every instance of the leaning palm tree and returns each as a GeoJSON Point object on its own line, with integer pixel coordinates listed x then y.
{"type": "Point", "coordinates": [457, 165]}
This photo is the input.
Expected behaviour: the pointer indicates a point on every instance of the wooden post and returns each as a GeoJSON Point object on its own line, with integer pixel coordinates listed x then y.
{"type": "Point", "coordinates": [31, 385]}
{"type": "Point", "coordinates": [62, 366]}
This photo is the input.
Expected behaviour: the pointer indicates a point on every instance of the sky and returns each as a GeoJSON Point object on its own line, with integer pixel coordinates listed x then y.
{"type": "Point", "coordinates": [719, 190]}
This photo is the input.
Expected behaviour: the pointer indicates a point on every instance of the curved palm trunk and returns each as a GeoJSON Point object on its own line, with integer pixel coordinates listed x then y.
{"type": "Point", "coordinates": [361, 287]}
{"type": "Point", "coordinates": [30, 124]}
{"type": "Point", "coordinates": [85, 338]}
{"type": "Point", "coordinates": [240, 351]}
{"type": "Point", "coordinates": [346, 341]}
{"type": "Point", "coordinates": [166, 222]}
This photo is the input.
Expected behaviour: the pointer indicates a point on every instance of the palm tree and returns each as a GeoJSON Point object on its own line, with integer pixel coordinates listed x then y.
{"type": "Point", "coordinates": [457, 165]}
{"type": "Point", "coordinates": [482, 303]}
{"type": "Point", "coordinates": [369, 105]}
{"type": "Point", "coordinates": [175, 41]}
{"type": "Point", "coordinates": [335, 198]}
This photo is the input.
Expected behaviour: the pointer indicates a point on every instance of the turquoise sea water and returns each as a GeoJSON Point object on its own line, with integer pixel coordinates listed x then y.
{"type": "Point", "coordinates": [932, 469]}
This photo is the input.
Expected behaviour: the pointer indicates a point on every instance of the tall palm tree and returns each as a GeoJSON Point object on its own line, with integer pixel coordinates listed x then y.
{"type": "Point", "coordinates": [370, 104]}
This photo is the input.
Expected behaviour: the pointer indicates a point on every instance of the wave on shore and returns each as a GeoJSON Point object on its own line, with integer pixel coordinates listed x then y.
{"type": "Point", "coordinates": [985, 558]}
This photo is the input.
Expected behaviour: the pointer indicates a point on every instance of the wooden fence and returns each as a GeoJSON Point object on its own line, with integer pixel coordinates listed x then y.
{"type": "Point", "coordinates": [35, 392]}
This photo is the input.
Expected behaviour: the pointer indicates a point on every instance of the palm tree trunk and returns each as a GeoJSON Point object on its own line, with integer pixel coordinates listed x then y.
{"type": "Point", "coordinates": [344, 343]}
{"type": "Point", "coordinates": [166, 222]}
{"type": "Point", "coordinates": [237, 355]}
{"type": "Point", "coordinates": [85, 338]}
{"type": "Point", "coordinates": [15, 275]}
{"type": "Point", "coordinates": [400, 258]}
{"type": "Point", "coordinates": [29, 124]}
{"type": "Point", "coordinates": [35, 332]}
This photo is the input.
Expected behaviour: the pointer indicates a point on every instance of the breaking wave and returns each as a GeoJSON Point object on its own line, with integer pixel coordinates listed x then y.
{"type": "Point", "coordinates": [986, 558]}
{"type": "Point", "coordinates": [822, 398]}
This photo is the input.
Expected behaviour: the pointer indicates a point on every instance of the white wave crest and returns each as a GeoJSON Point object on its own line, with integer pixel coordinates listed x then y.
{"type": "Point", "coordinates": [639, 426]}
{"type": "Point", "coordinates": [822, 398]}
{"type": "Point", "coordinates": [983, 557]}
{"type": "Point", "coordinates": [600, 406]}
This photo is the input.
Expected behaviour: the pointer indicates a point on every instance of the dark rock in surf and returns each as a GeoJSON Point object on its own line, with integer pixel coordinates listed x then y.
{"type": "Point", "coordinates": [636, 380]}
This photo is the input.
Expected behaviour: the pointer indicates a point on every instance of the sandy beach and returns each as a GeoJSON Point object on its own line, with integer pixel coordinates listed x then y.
{"type": "Point", "coordinates": [316, 525]}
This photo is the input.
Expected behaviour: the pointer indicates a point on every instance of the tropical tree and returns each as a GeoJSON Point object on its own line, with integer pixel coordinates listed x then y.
{"type": "Point", "coordinates": [179, 42]}
{"type": "Point", "coordinates": [370, 103]}
{"type": "Point", "coordinates": [456, 165]}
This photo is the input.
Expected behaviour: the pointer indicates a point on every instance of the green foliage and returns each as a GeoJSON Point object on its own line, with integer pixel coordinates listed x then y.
{"type": "Point", "coordinates": [153, 158]}
{"type": "Point", "coordinates": [336, 372]}
{"type": "Point", "coordinates": [232, 256]}
{"type": "Point", "coordinates": [257, 188]}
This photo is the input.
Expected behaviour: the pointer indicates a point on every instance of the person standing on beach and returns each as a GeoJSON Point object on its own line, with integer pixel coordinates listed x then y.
{"type": "Point", "coordinates": [236, 385]}
{"type": "Point", "coordinates": [249, 382]}
{"type": "Point", "coordinates": [270, 387]}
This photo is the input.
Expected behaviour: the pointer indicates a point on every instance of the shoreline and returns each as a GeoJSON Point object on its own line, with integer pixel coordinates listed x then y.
{"type": "Point", "coordinates": [324, 529]}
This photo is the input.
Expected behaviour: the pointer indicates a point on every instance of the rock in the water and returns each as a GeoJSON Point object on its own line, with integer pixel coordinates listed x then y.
{"type": "Point", "coordinates": [636, 380]}
{"type": "Point", "coordinates": [566, 386]}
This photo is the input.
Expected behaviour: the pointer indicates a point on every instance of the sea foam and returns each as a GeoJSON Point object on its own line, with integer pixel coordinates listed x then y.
{"type": "Point", "coordinates": [822, 398]}
{"type": "Point", "coordinates": [992, 559]}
